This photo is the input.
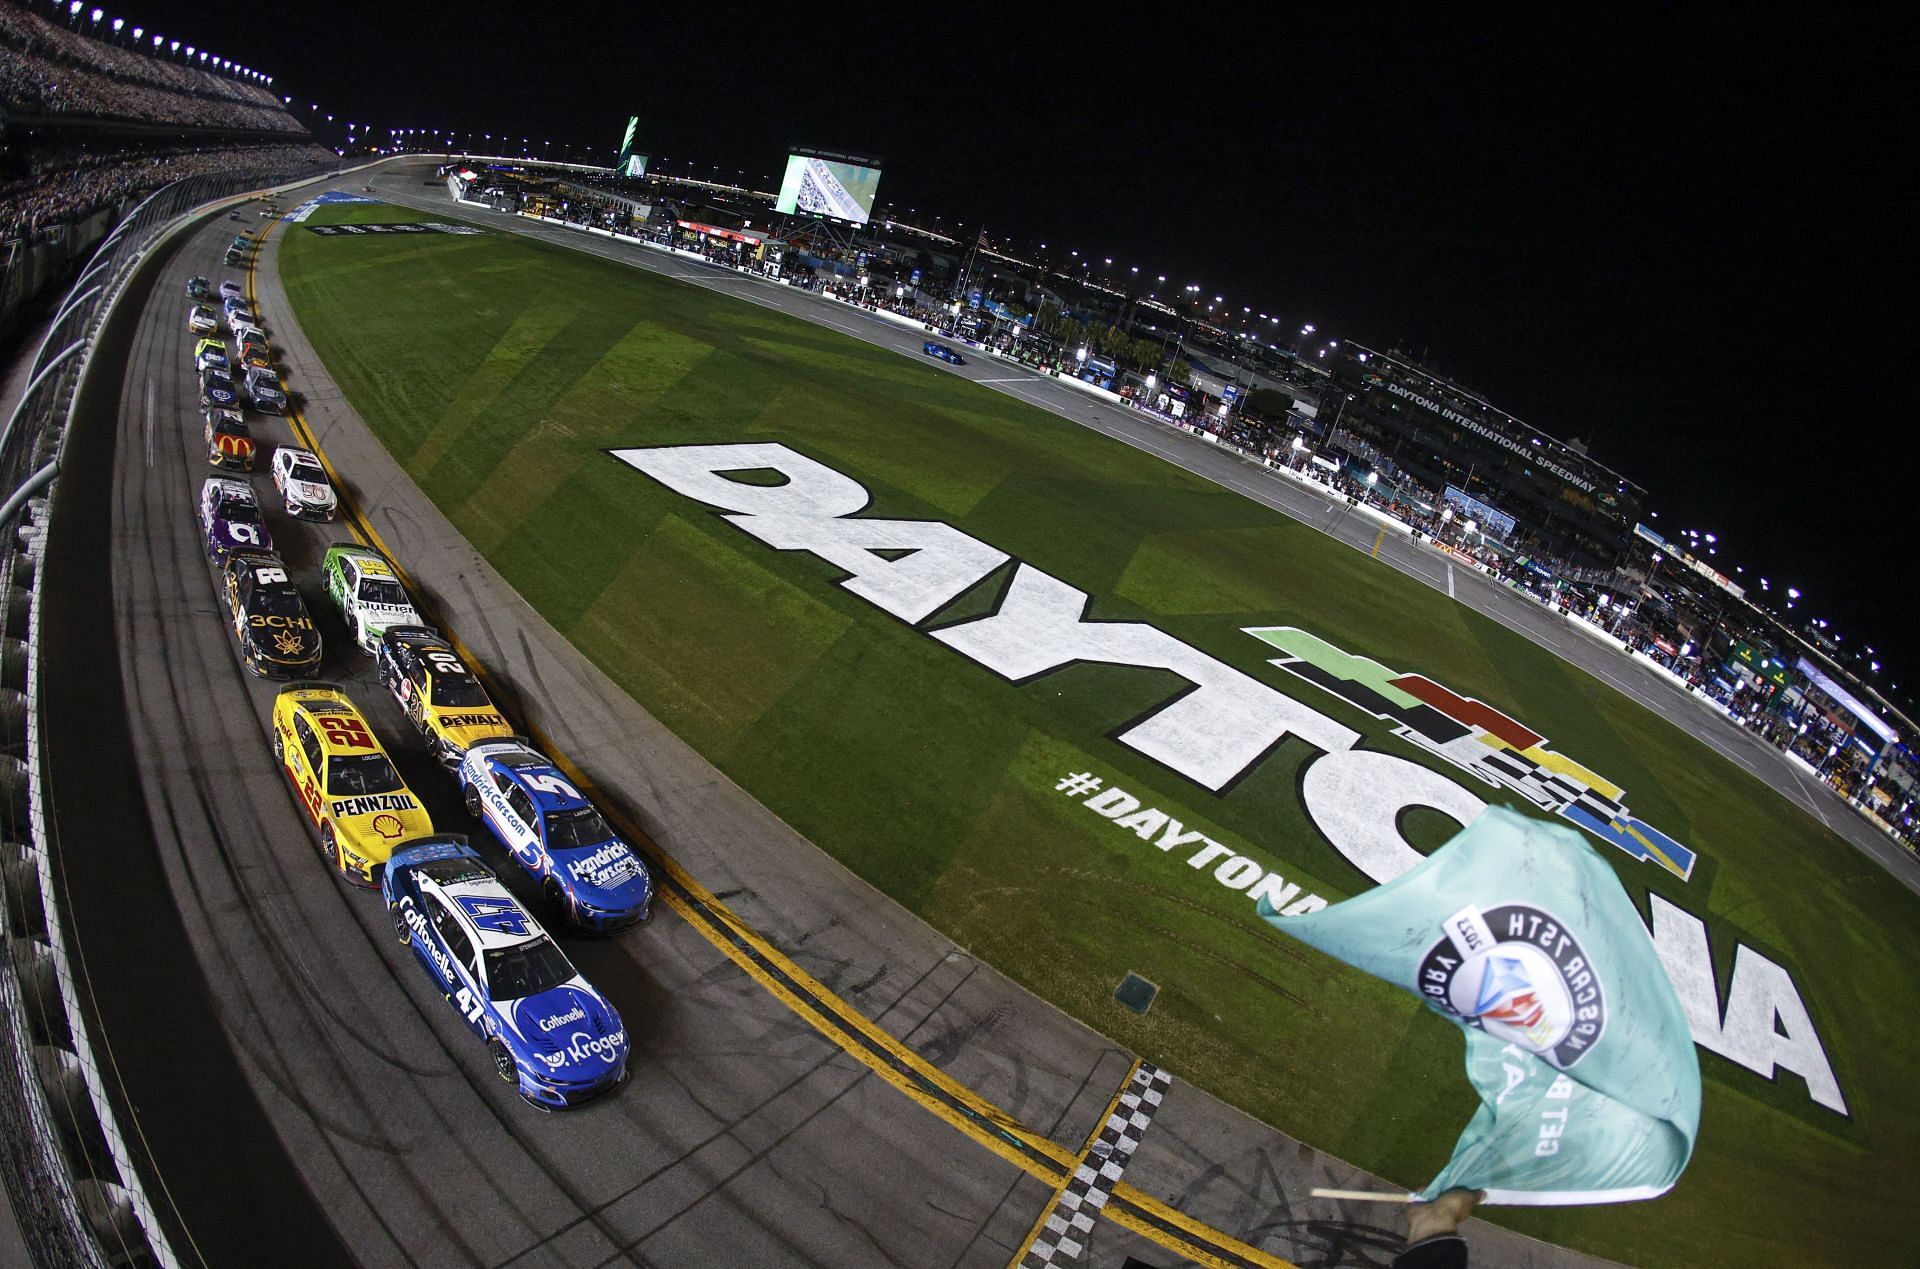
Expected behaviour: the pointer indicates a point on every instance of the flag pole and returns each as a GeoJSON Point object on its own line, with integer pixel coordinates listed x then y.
{"type": "Point", "coordinates": [1365, 1196]}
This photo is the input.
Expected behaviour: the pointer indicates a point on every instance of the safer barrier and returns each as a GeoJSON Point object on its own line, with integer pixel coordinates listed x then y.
{"type": "Point", "coordinates": [77, 1198]}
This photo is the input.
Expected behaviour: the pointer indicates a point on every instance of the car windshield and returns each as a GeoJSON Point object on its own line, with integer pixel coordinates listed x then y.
{"type": "Point", "coordinates": [527, 970]}
{"type": "Point", "coordinates": [381, 590]}
{"type": "Point", "coordinates": [457, 691]}
{"type": "Point", "coordinates": [277, 601]}
{"type": "Point", "coordinates": [451, 872]}
{"type": "Point", "coordinates": [307, 475]}
{"type": "Point", "coordinates": [571, 830]}
{"type": "Point", "coordinates": [239, 513]}
{"type": "Point", "coordinates": [350, 774]}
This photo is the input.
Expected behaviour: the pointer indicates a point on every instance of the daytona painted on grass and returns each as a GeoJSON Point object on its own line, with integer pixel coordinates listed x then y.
{"type": "Point", "coordinates": [870, 619]}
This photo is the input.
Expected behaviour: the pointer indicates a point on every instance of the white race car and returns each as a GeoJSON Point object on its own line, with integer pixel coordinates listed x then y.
{"type": "Point", "coordinates": [300, 479]}
{"type": "Point", "coordinates": [362, 585]}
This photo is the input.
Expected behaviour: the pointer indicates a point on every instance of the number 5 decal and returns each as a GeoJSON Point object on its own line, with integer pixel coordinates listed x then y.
{"type": "Point", "coordinates": [552, 784]}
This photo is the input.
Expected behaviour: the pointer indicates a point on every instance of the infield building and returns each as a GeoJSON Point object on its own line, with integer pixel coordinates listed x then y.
{"type": "Point", "coordinates": [1534, 492]}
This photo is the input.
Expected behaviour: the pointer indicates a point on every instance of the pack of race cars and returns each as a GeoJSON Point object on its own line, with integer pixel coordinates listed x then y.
{"type": "Point", "coordinates": [546, 1029]}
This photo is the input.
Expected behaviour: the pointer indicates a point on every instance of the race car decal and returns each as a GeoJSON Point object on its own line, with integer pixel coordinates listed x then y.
{"type": "Point", "coordinates": [368, 803]}
{"type": "Point", "coordinates": [489, 913]}
{"type": "Point", "coordinates": [606, 867]}
{"type": "Point", "coordinates": [342, 729]}
{"type": "Point", "coordinates": [452, 721]}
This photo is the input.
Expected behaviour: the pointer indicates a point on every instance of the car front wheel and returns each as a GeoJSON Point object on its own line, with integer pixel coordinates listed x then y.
{"type": "Point", "coordinates": [502, 1061]}
{"type": "Point", "coordinates": [400, 927]}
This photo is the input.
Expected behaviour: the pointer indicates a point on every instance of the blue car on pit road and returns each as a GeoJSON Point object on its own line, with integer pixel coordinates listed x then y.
{"type": "Point", "coordinates": [549, 827]}
{"type": "Point", "coordinates": [934, 348]}
{"type": "Point", "coordinates": [549, 1033]}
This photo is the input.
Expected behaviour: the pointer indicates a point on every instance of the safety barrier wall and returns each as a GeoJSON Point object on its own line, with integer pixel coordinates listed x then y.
{"type": "Point", "coordinates": [77, 1197]}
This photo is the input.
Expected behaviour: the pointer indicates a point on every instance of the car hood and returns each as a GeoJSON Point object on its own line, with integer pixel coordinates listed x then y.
{"type": "Point", "coordinates": [373, 824]}
{"type": "Point", "coordinates": [468, 727]}
{"type": "Point", "coordinates": [608, 875]}
{"type": "Point", "coordinates": [380, 616]}
{"type": "Point", "coordinates": [283, 640]}
{"type": "Point", "coordinates": [568, 1033]}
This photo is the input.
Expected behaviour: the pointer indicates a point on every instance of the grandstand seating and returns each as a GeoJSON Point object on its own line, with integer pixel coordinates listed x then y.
{"type": "Point", "coordinates": [49, 70]}
{"type": "Point", "coordinates": [90, 125]}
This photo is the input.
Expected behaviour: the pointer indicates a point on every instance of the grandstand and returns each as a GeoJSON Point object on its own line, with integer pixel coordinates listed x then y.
{"type": "Point", "coordinates": [88, 126]}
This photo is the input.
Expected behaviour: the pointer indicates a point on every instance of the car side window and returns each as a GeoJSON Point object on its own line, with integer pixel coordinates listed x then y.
{"type": "Point", "coordinates": [417, 671]}
{"type": "Point", "coordinates": [309, 745]}
{"type": "Point", "coordinates": [522, 805]}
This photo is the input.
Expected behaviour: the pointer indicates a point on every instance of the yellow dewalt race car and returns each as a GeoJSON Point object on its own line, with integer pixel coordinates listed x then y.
{"type": "Point", "coordinates": [358, 802]}
{"type": "Point", "coordinates": [438, 692]}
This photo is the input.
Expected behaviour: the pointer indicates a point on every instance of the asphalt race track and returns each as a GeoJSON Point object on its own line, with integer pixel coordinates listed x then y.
{"type": "Point", "coordinates": [301, 1094]}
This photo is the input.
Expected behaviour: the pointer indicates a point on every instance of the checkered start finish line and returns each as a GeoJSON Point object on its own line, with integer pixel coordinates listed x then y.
{"type": "Point", "coordinates": [1064, 1233]}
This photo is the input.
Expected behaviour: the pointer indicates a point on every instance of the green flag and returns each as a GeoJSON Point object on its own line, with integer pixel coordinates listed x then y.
{"type": "Point", "coordinates": [1520, 933]}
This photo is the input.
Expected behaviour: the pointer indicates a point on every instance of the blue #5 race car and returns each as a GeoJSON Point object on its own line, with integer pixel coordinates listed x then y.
{"type": "Point", "coordinates": [583, 867]}
{"type": "Point", "coordinates": [549, 1033]}
{"type": "Point", "coordinates": [933, 348]}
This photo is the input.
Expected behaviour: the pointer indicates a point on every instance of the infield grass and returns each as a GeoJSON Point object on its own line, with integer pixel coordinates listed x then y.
{"type": "Point", "coordinates": [497, 369]}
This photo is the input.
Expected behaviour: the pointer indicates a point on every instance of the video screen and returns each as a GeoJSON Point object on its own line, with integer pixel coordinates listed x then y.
{"type": "Point", "coordinates": [827, 187]}
{"type": "Point", "coordinates": [636, 165]}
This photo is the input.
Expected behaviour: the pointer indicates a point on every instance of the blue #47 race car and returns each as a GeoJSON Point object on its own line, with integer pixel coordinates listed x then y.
{"type": "Point", "coordinates": [550, 828]}
{"type": "Point", "coordinates": [549, 1033]}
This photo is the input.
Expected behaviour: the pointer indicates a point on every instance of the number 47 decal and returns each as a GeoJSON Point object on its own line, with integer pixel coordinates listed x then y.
{"type": "Point", "coordinates": [501, 915]}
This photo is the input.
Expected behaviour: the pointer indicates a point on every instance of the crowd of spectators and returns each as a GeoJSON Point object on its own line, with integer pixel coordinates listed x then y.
{"type": "Point", "coordinates": [46, 69]}
{"type": "Point", "coordinates": [59, 187]}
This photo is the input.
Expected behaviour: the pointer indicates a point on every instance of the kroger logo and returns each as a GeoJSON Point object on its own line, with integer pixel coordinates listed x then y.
{"type": "Point", "coordinates": [605, 1048]}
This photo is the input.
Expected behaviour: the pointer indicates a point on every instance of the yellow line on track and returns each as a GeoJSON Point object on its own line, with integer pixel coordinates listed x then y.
{"type": "Point", "coordinates": [839, 1022]}
{"type": "Point", "coordinates": [1375, 552]}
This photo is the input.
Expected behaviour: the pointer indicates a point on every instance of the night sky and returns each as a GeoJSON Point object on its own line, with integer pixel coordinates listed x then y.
{"type": "Point", "coordinates": [1679, 237]}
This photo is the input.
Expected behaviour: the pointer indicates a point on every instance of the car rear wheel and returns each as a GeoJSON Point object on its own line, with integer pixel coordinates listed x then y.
{"type": "Point", "coordinates": [502, 1061]}
{"type": "Point", "coordinates": [279, 747]}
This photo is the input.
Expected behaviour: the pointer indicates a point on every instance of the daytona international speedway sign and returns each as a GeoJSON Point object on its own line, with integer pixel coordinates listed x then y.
{"type": "Point", "coordinates": [1228, 722]}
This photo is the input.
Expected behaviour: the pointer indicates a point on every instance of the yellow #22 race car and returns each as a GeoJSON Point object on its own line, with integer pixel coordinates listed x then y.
{"type": "Point", "coordinates": [344, 779]}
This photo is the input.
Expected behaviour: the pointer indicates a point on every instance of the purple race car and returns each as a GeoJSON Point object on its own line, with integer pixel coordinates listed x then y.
{"type": "Point", "coordinates": [230, 518]}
